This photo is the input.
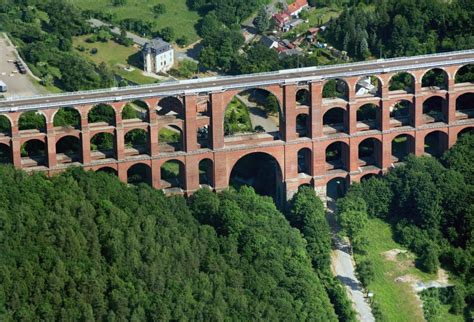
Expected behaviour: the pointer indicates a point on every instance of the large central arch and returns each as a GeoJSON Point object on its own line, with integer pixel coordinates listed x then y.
{"type": "Point", "coordinates": [261, 171]}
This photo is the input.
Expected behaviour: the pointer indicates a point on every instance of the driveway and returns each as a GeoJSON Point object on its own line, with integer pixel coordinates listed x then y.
{"type": "Point", "coordinates": [258, 116]}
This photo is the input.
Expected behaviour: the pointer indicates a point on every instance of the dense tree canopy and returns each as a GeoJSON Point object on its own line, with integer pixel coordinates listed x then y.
{"type": "Point", "coordinates": [403, 27]}
{"type": "Point", "coordinates": [83, 246]}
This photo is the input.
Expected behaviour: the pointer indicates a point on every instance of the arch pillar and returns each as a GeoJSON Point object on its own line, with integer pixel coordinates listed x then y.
{"type": "Point", "coordinates": [122, 172]}
{"type": "Point", "coordinates": [155, 173]}
{"type": "Point", "coordinates": [419, 143]}
{"type": "Point", "coordinates": [353, 155]}
{"type": "Point", "coordinates": [289, 110]}
{"type": "Point", "coordinates": [190, 123]}
{"type": "Point", "coordinates": [352, 115]}
{"type": "Point", "coordinates": [451, 107]}
{"type": "Point", "coordinates": [385, 115]}
{"type": "Point", "coordinates": [86, 139]}
{"type": "Point", "coordinates": [291, 162]}
{"type": "Point", "coordinates": [51, 144]}
{"type": "Point", "coordinates": [217, 120]}
{"type": "Point", "coordinates": [119, 133]}
{"type": "Point", "coordinates": [418, 115]}
{"type": "Point", "coordinates": [16, 144]}
{"type": "Point", "coordinates": [319, 159]}
{"type": "Point", "coordinates": [316, 125]}
{"type": "Point", "coordinates": [221, 172]}
{"type": "Point", "coordinates": [191, 173]}
{"type": "Point", "coordinates": [386, 161]}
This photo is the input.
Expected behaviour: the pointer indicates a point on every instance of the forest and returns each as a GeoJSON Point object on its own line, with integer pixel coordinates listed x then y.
{"type": "Point", "coordinates": [43, 31]}
{"type": "Point", "coordinates": [391, 28]}
{"type": "Point", "coordinates": [429, 204]}
{"type": "Point", "coordinates": [84, 246]}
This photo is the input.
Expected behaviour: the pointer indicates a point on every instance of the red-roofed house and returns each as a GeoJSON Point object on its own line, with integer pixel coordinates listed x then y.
{"type": "Point", "coordinates": [281, 19]}
{"type": "Point", "coordinates": [296, 7]}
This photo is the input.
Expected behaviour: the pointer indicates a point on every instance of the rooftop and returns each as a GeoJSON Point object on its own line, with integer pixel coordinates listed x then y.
{"type": "Point", "coordinates": [157, 45]}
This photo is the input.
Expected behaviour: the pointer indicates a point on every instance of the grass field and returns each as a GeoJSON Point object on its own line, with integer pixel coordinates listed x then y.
{"type": "Point", "coordinates": [396, 299]}
{"type": "Point", "coordinates": [177, 14]}
{"type": "Point", "coordinates": [116, 56]}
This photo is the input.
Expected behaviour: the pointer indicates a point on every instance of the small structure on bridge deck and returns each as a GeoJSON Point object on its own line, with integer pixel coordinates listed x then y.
{"type": "Point", "coordinates": [158, 56]}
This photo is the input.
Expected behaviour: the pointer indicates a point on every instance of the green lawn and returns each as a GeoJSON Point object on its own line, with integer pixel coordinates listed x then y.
{"type": "Point", "coordinates": [116, 56]}
{"type": "Point", "coordinates": [396, 299]}
{"type": "Point", "coordinates": [177, 15]}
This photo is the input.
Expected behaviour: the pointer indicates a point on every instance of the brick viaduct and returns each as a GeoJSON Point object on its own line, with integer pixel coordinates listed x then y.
{"type": "Point", "coordinates": [320, 139]}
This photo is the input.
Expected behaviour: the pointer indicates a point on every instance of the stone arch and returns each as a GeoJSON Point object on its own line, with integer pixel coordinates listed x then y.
{"type": "Point", "coordinates": [436, 142]}
{"type": "Point", "coordinates": [108, 170]}
{"type": "Point", "coordinates": [466, 130]}
{"type": "Point", "coordinates": [403, 81]}
{"type": "Point", "coordinates": [206, 172]}
{"type": "Point", "coordinates": [402, 146]}
{"type": "Point", "coordinates": [253, 110]}
{"type": "Point", "coordinates": [170, 106]}
{"type": "Point", "coordinates": [368, 85]}
{"type": "Point", "coordinates": [336, 88]}
{"type": "Point", "coordinates": [465, 74]}
{"type": "Point", "coordinates": [435, 78]}
{"type": "Point", "coordinates": [103, 144]}
{"type": "Point", "coordinates": [102, 113]}
{"type": "Point", "coordinates": [172, 174]}
{"type": "Point", "coordinates": [139, 173]}
{"type": "Point", "coordinates": [370, 152]}
{"type": "Point", "coordinates": [5, 154]}
{"type": "Point", "coordinates": [138, 140]}
{"type": "Point", "coordinates": [260, 170]}
{"type": "Point", "coordinates": [368, 116]}
{"type": "Point", "coordinates": [67, 117]}
{"type": "Point", "coordinates": [402, 113]}
{"type": "Point", "coordinates": [68, 149]}
{"type": "Point", "coordinates": [336, 188]}
{"type": "Point", "coordinates": [5, 125]}
{"type": "Point", "coordinates": [303, 97]}
{"type": "Point", "coordinates": [170, 138]}
{"type": "Point", "coordinates": [32, 120]}
{"type": "Point", "coordinates": [335, 121]}
{"type": "Point", "coordinates": [136, 110]}
{"type": "Point", "coordinates": [435, 109]}
{"type": "Point", "coordinates": [337, 156]}
{"type": "Point", "coordinates": [302, 125]}
{"type": "Point", "coordinates": [465, 106]}
{"type": "Point", "coordinates": [203, 137]}
{"type": "Point", "coordinates": [34, 153]}
{"type": "Point", "coordinates": [305, 161]}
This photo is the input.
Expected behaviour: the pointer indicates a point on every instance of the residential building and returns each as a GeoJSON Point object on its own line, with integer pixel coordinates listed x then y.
{"type": "Point", "coordinates": [158, 56]}
{"type": "Point", "coordinates": [269, 42]}
{"type": "Point", "coordinates": [296, 7]}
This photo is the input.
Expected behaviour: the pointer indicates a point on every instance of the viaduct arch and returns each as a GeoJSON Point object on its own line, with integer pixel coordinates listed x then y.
{"type": "Point", "coordinates": [337, 124]}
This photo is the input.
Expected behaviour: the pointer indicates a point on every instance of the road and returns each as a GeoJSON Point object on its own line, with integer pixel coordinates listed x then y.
{"type": "Point", "coordinates": [217, 84]}
{"type": "Point", "coordinates": [18, 84]}
{"type": "Point", "coordinates": [258, 116]}
{"type": "Point", "coordinates": [136, 39]}
{"type": "Point", "coordinates": [343, 267]}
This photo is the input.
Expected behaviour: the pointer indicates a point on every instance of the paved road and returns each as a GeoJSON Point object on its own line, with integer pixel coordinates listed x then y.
{"type": "Point", "coordinates": [258, 116]}
{"type": "Point", "coordinates": [18, 84]}
{"type": "Point", "coordinates": [342, 264]}
{"type": "Point", "coordinates": [213, 84]}
{"type": "Point", "coordinates": [136, 39]}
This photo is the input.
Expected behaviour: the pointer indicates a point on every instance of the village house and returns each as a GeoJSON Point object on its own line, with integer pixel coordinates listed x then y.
{"type": "Point", "coordinates": [158, 56]}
